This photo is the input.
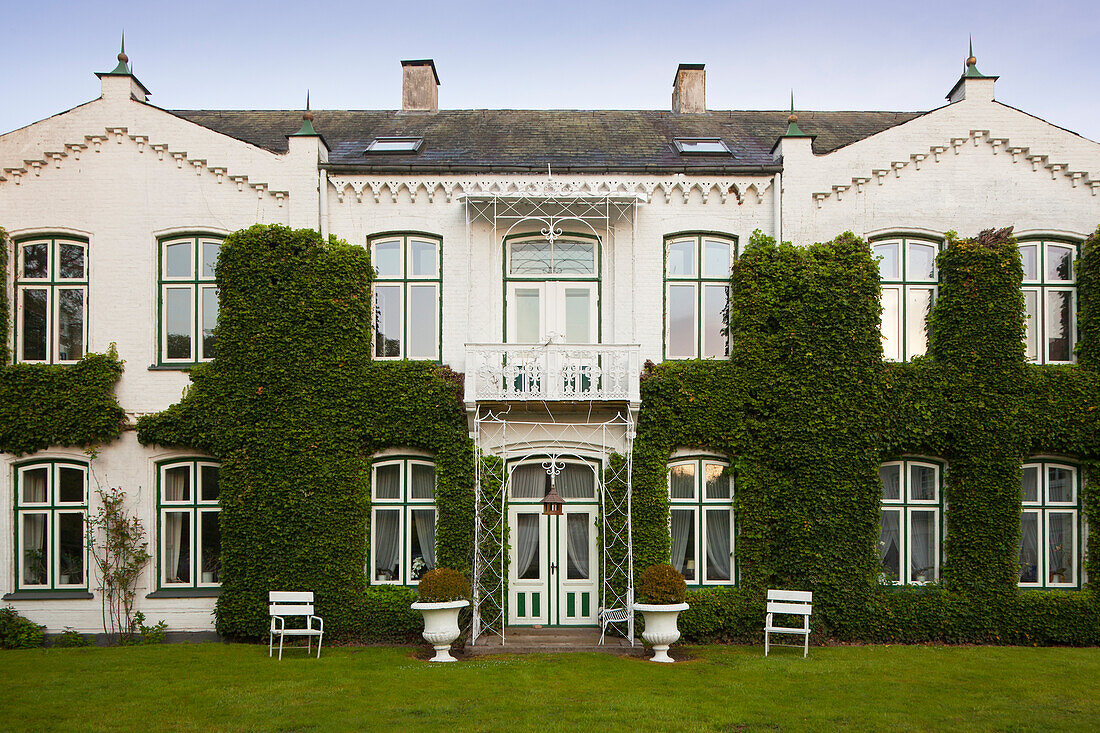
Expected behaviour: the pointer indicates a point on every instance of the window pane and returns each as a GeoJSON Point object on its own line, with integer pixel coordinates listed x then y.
{"type": "Point", "coordinates": [178, 260]}
{"type": "Point", "coordinates": [891, 482]}
{"type": "Point", "coordinates": [423, 325]}
{"type": "Point", "coordinates": [891, 324]}
{"type": "Point", "coordinates": [387, 544]}
{"type": "Point", "coordinates": [528, 314]}
{"type": "Point", "coordinates": [1029, 255]}
{"type": "Point", "coordinates": [209, 321]}
{"type": "Point", "coordinates": [1059, 303]}
{"type": "Point", "coordinates": [1029, 547]}
{"type": "Point", "coordinates": [715, 310]}
{"type": "Point", "coordinates": [35, 481]}
{"type": "Point", "coordinates": [387, 481]}
{"type": "Point", "coordinates": [422, 542]}
{"type": "Point", "coordinates": [681, 258]}
{"type": "Point", "coordinates": [919, 303]}
{"type": "Point", "coordinates": [70, 485]}
{"type": "Point", "coordinates": [208, 475]}
{"type": "Point", "coordinates": [529, 481]}
{"type": "Point", "coordinates": [716, 259]}
{"type": "Point", "coordinates": [1062, 554]}
{"type": "Point", "coordinates": [1031, 325]}
{"type": "Point", "coordinates": [683, 542]}
{"type": "Point", "coordinates": [922, 546]}
{"type": "Point", "coordinates": [681, 321]}
{"type": "Point", "coordinates": [889, 544]}
{"type": "Point", "coordinates": [922, 262]}
{"type": "Point", "coordinates": [423, 481]}
{"type": "Point", "coordinates": [922, 483]}
{"type": "Point", "coordinates": [718, 544]}
{"type": "Point", "coordinates": [70, 324]}
{"type": "Point", "coordinates": [35, 304]}
{"type": "Point", "coordinates": [578, 321]}
{"type": "Point", "coordinates": [1029, 484]}
{"type": "Point", "coordinates": [1060, 486]}
{"type": "Point", "coordinates": [531, 258]}
{"type": "Point", "coordinates": [177, 484]}
{"type": "Point", "coordinates": [71, 261]}
{"type": "Point", "coordinates": [423, 258]}
{"type": "Point", "coordinates": [574, 258]}
{"type": "Point", "coordinates": [889, 261]}
{"type": "Point", "coordinates": [577, 551]}
{"type": "Point", "coordinates": [177, 547]}
{"type": "Point", "coordinates": [35, 557]}
{"type": "Point", "coordinates": [387, 320]}
{"type": "Point", "coordinates": [386, 258]}
{"type": "Point", "coordinates": [36, 259]}
{"type": "Point", "coordinates": [178, 321]}
{"type": "Point", "coordinates": [211, 547]}
{"type": "Point", "coordinates": [1059, 264]}
{"type": "Point", "coordinates": [681, 482]}
{"type": "Point", "coordinates": [719, 484]}
{"type": "Point", "coordinates": [210, 252]}
{"type": "Point", "coordinates": [576, 481]}
{"type": "Point", "coordinates": [70, 535]}
{"type": "Point", "coordinates": [527, 546]}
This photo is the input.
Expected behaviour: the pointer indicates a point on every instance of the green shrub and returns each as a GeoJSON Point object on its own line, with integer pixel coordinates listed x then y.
{"type": "Point", "coordinates": [17, 632]}
{"type": "Point", "coordinates": [70, 638]}
{"type": "Point", "coordinates": [443, 584]}
{"type": "Point", "coordinates": [155, 634]}
{"type": "Point", "coordinates": [661, 584]}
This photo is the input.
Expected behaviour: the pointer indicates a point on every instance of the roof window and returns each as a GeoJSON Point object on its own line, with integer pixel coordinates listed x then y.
{"type": "Point", "coordinates": [701, 146]}
{"type": "Point", "coordinates": [394, 145]}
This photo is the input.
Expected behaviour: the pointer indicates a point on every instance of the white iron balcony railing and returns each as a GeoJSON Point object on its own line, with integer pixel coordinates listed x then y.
{"type": "Point", "coordinates": [518, 372]}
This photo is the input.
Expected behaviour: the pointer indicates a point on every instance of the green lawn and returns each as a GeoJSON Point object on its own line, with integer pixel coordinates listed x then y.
{"type": "Point", "coordinates": [236, 687]}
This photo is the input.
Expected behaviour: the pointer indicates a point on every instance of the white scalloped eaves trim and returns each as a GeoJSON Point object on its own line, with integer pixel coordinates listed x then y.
{"type": "Point", "coordinates": [742, 190]}
{"type": "Point", "coordinates": [135, 142]}
{"type": "Point", "coordinates": [936, 153]}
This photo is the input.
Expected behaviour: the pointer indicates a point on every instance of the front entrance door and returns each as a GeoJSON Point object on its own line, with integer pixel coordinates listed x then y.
{"type": "Point", "coordinates": [553, 577]}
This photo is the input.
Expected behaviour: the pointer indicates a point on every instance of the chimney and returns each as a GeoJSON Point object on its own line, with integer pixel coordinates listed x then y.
{"type": "Point", "coordinates": [419, 86]}
{"type": "Point", "coordinates": [689, 89]}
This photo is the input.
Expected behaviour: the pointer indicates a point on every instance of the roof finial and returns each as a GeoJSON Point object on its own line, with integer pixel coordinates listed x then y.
{"type": "Point", "coordinates": [792, 122]}
{"type": "Point", "coordinates": [970, 59]}
{"type": "Point", "coordinates": [306, 130]}
{"type": "Point", "coordinates": [308, 116]}
{"type": "Point", "coordinates": [122, 68]}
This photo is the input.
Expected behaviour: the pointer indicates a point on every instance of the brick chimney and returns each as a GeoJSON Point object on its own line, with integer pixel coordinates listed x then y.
{"type": "Point", "coordinates": [689, 89]}
{"type": "Point", "coordinates": [419, 86]}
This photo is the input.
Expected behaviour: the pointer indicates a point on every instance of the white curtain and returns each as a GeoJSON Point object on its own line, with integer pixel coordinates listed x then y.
{"type": "Point", "coordinates": [891, 481]}
{"type": "Point", "coordinates": [920, 545]}
{"type": "Point", "coordinates": [576, 481]}
{"type": "Point", "coordinates": [718, 544]}
{"type": "Point", "coordinates": [529, 482]}
{"type": "Point", "coordinates": [34, 549]}
{"type": "Point", "coordinates": [682, 520]}
{"type": "Point", "coordinates": [387, 544]}
{"type": "Point", "coordinates": [889, 544]}
{"type": "Point", "coordinates": [1060, 542]}
{"type": "Point", "coordinates": [527, 544]}
{"type": "Point", "coordinates": [577, 526]}
{"type": "Point", "coordinates": [175, 530]}
{"type": "Point", "coordinates": [423, 481]}
{"type": "Point", "coordinates": [1029, 547]}
{"type": "Point", "coordinates": [34, 486]}
{"type": "Point", "coordinates": [424, 519]}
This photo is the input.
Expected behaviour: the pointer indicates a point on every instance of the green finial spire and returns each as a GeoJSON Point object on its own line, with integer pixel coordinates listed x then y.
{"type": "Point", "coordinates": [792, 122]}
{"type": "Point", "coordinates": [307, 122]}
{"type": "Point", "coordinates": [122, 69]}
{"type": "Point", "coordinates": [972, 64]}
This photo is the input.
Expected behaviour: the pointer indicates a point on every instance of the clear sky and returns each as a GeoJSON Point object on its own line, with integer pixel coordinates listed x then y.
{"type": "Point", "coordinates": [565, 54]}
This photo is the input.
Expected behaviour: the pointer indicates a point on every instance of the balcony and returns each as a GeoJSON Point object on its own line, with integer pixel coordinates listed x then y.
{"type": "Point", "coordinates": [552, 372]}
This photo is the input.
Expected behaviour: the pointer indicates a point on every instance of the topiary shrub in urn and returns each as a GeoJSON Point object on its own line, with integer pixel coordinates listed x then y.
{"type": "Point", "coordinates": [661, 590]}
{"type": "Point", "coordinates": [443, 592]}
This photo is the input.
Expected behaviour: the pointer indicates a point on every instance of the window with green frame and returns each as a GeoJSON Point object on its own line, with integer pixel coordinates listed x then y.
{"type": "Point", "coordinates": [51, 509]}
{"type": "Point", "coordinates": [406, 292]}
{"type": "Point", "coordinates": [697, 280]}
{"type": "Point", "coordinates": [401, 532]}
{"type": "Point", "coordinates": [51, 299]}
{"type": "Point", "coordinates": [552, 288]}
{"type": "Point", "coordinates": [189, 527]}
{"type": "Point", "coordinates": [1050, 300]}
{"type": "Point", "coordinates": [1051, 525]}
{"type": "Point", "coordinates": [907, 271]}
{"type": "Point", "coordinates": [701, 520]}
{"type": "Point", "coordinates": [910, 521]}
{"type": "Point", "coordinates": [188, 298]}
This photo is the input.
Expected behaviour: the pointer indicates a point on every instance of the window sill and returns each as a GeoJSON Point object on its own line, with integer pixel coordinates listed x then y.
{"type": "Point", "coordinates": [186, 593]}
{"type": "Point", "coordinates": [172, 367]}
{"type": "Point", "coordinates": [48, 595]}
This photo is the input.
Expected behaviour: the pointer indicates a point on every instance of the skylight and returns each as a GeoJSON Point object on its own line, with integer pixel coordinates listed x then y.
{"type": "Point", "coordinates": [701, 146]}
{"type": "Point", "coordinates": [394, 145]}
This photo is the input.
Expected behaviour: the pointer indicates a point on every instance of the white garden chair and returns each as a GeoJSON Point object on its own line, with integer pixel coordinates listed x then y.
{"type": "Point", "coordinates": [290, 604]}
{"type": "Point", "coordinates": [608, 616]}
{"type": "Point", "coordinates": [791, 603]}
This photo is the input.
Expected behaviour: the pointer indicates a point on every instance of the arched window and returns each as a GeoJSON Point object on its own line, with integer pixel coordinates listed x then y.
{"type": "Point", "coordinates": [1050, 525]}
{"type": "Point", "coordinates": [701, 520]}
{"type": "Point", "coordinates": [697, 294]}
{"type": "Point", "coordinates": [51, 299]}
{"type": "Point", "coordinates": [907, 271]}
{"type": "Point", "coordinates": [189, 547]}
{"type": "Point", "coordinates": [403, 518]}
{"type": "Point", "coordinates": [51, 509]}
{"type": "Point", "coordinates": [910, 523]}
{"type": "Point", "coordinates": [552, 289]}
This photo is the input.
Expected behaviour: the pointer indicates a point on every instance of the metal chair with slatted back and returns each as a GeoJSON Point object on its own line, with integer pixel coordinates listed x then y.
{"type": "Point", "coordinates": [791, 603]}
{"type": "Point", "coordinates": [288, 604]}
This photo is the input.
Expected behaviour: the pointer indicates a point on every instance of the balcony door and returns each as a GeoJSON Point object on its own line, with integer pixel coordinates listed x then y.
{"type": "Point", "coordinates": [552, 290]}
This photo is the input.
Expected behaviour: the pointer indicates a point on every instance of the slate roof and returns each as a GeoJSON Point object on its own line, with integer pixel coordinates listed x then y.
{"type": "Point", "coordinates": [528, 140]}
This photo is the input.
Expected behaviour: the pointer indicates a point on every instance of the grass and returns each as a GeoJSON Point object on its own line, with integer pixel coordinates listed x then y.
{"type": "Point", "coordinates": [222, 687]}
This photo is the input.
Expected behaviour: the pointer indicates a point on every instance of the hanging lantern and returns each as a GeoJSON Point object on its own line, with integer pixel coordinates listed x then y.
{"type": "Point", "coordinates": [552, 502]}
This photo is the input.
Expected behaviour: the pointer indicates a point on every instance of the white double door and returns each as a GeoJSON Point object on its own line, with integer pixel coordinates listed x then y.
{"type": "Point", "coordinates": [558, 311]}
{"type": "Point", "coordinates": [553, 576]}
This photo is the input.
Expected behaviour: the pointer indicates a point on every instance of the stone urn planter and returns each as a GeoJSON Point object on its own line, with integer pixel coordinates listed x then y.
{"type": "Point", "coordinates": [660, 627]}
{"type": "Point", "coordinates": [441, 626]}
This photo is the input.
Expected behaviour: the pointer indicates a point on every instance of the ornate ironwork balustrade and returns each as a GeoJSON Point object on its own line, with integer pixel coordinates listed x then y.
{"type": "Point", "coordinates": [552, 372]}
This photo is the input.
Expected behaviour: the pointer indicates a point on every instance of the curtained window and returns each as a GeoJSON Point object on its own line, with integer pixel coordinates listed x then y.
{"type": "Point", "coordinates": [1050, 301]}
{"type": "Point", "coordinates": [401, 529]}
{"type": "Point", "coordinates": [1050, 526]}
{"type": "Point", "coordinates": [51, 513]}
{"type": "Point", "coordinates": [910, 526]}
{"type": "Point", "coordinates": [190, 548]}
{"type": "Point", "coordinates": [701, 521]}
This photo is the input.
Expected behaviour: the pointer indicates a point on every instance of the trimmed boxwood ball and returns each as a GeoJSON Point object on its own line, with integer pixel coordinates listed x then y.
{"type": "Point", "coordinates": [443, 584]}
{"type": "Point", "coordinates": [661, 584]}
